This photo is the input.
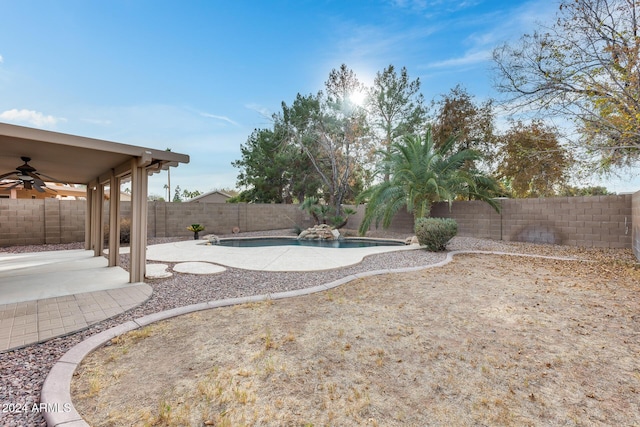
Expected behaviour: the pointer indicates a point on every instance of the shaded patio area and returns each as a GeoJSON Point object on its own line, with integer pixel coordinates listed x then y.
{"type": "Point", "coordinates": [48, 294]}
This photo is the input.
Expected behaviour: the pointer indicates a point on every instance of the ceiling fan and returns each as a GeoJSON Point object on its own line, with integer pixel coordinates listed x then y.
{"type": "Point", "coordinates": [27, 176]}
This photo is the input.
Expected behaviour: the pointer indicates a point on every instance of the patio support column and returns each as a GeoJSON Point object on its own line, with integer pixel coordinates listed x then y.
{"type": "Point", "coordinates": [114, 221]}
{"type": "Point", "coordinates": [97, 222]}
{"type": "Point", "coordinates": [88, 236]}
{"type": "Point", "coordinates": [139, 182]}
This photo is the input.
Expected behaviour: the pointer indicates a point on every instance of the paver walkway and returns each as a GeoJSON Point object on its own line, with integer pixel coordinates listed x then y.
{"type": "Point", "coordinates": [53, 293]}
{"type": "Point", "coordinates": [23, 323]}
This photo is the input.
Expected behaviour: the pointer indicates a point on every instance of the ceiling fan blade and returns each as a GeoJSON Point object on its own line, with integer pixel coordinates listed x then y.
{"type": "Point", "coordinates": [7, 174]}
{"type": "Point", "coordinates": [38, 188]}
{"type": "Point", "coordinates": [39, 182]}
{"type": "Point", "coordinates": [10, 185]}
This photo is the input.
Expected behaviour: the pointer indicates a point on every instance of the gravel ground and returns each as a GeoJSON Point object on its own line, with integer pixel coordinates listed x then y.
{"type": "Point", "coordinates": [24, 370]}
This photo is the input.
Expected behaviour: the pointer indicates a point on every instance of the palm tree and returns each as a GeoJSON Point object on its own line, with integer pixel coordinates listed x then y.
{"type": "Point", "coordinates": [420, 175]}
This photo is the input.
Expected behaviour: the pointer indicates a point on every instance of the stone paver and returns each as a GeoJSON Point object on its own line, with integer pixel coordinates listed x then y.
{"type": "Point", "coordinates": [198, 268]}
{"type": "Point", "coordinates": [157, 271]}
{"type": "Point", "coordinates": [33, 321]}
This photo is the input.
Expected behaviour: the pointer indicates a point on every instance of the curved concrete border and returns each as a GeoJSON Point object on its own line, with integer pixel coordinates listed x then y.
{"type": "Point", "coordinates": [56, 390]}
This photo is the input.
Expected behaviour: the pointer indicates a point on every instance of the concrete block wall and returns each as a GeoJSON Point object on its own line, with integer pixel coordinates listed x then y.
{"type": "Point", "coordinates": [52, 222]}
{"type": "Point", "coordinates": [635, 212]}
{"type": "Point", "coordinates": [64, 220]}
{"type": "Point", "coordinates": [21, 222]}
{"type": "Point", "coordinates": [72, 220]}
{"type": "Point", "coordinates": [474, 218]}
{"type": "Point", "coordinates": [596, 221]}
{"type": "Point", "coordinates": [402, 222]}
{"type": "Point", "coordinates": [172, 219]}
{"type": "Point", "coordinates": [602, 221]}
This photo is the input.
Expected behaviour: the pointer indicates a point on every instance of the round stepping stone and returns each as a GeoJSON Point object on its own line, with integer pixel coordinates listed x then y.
{"type": "Point", "coordinates": [198, 268]}
{"type": "Point", "coordinates": [157, 271]}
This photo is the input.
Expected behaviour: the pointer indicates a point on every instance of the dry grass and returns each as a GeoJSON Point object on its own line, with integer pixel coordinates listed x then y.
{"type": "Point", "coordinates": [486, 340]}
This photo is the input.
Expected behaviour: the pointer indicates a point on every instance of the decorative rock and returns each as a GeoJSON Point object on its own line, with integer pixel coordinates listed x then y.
{"type": "Point", "coordinates": [212, 239]}
{"type": "Point", "coordinates": [319, 232]}
{"type": "Point", "coordinates": [411, 241]}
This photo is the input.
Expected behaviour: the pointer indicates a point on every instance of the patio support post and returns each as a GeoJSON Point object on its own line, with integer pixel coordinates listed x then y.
{"type": "Point", "coordinates": [139, 182]}
{"type": "Point", "coordinates": [88, 236]}
{"type": "Point", "coordinates": [114, 221]}
{"type": "Point", "coordinates": [97, 222]}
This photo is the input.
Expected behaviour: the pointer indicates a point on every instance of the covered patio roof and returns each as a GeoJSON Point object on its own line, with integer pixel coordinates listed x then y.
{"type": "Point", "coordinates": [74, 159]}
{"type": "Point", "coordinates": [95, 163]}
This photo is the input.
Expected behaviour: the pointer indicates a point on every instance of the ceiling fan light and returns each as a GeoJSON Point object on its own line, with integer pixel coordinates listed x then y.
{"type": "Point", "coordinates": [25, 177]}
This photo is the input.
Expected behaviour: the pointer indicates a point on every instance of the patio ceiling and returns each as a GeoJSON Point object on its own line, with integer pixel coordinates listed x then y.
{"type": "Point", "coordinates": [74, 159]}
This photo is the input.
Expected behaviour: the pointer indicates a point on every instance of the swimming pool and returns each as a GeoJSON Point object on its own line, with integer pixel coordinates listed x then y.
{"type": "Point", "coordinates": [285, 241]}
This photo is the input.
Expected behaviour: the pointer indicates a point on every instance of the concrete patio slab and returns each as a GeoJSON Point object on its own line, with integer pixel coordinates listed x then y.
{"type": "Point", "coordinates": [40, 275]}
{"type": "Point", "coordinates": [48, 294]}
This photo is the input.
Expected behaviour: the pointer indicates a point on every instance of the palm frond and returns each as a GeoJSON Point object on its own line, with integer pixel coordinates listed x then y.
{"type": "Point", "coordinates": [421, 174]}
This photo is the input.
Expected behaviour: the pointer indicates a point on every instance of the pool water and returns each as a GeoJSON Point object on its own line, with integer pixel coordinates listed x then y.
{"type": "Point", "coordinates": [283, 241]}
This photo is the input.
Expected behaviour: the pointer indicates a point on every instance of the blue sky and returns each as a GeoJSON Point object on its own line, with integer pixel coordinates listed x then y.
{"type": "Point", "coordinates": [199, 76]}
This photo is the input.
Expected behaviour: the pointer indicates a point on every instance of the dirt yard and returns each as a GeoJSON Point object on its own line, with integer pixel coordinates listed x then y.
{"type": "Point", "coordinates": [485, 340]}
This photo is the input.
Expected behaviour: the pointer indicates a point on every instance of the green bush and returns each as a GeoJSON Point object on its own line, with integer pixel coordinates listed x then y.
{"type": "Point", "coordinates": [196, 228]}
{"type": "Point", "coordinates": [435, 233]}
{"type": "Point", "coordinates": [125, 231]}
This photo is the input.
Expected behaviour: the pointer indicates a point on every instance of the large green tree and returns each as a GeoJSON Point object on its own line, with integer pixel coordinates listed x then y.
{"type": "Point", "coordinates": [421, 174]}
{"type": "Point", "coordinates": [395, 108]}
{"type": "Point", "coordinates": [330, 129]}
{"type": "Point", "coordinates": [584, 65]}
{"type": "Point", "coordinates": [273, 171]}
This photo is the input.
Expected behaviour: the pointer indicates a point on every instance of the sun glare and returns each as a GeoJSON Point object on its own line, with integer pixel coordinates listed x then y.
{"type": "Point", "coordinates": [358, 97]}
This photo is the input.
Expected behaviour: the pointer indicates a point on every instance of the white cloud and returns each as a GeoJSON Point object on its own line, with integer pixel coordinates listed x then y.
{"type": "Point", "coordinates": [506, 26]}
{"type": "Point", "coordinates": [99, 122]}
{"type": "Point", "coordinates": [469, 58]}
{"type": "Point", "coordinates": [434, 7]}
{"type": "Point", "coordinates": [370, 41]}
{"type": "Point", "coordinates": [31, 117]}
{"type": "Point", "coordinates": [262, 110]}
{"type": "Point", "coordinates": [223, 118]}
{"type": "Point", "coordinates": [511, 25]}
{"type": "Point", "coordinates": [1, 59]}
